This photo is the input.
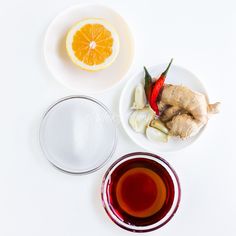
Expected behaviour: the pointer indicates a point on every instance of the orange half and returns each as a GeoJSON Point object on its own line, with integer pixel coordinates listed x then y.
{"type": "Point", "coordinates": [92, 44]}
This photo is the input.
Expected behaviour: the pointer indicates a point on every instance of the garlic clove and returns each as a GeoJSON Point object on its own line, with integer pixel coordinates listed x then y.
{"type": "Point", "coordinates": [140, 99]}
{"type": "Point", "coordinates": [140, 119]}
{"type": "Point", "coordinates": [159, 125]}
{"type": "Point", "coordinates": [155, 135]}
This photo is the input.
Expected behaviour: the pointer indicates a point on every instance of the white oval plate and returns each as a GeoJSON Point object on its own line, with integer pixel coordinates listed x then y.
{"type": "Point", "coordinates": [71, 75]}
{"type": "Point", "coordinates": [176, 75]}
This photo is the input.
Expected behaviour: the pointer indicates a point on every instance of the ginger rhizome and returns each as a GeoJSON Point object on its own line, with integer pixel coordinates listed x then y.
{"type": "Point", "coordinates": [188, 111]}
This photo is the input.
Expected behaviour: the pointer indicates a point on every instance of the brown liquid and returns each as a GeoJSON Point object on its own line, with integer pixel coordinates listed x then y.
{"type": "Point", "coordinates": [141, 191]}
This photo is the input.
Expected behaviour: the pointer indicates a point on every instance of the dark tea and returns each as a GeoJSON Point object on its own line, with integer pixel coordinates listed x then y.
{"type": "Point", "coordinates": [140, 191]}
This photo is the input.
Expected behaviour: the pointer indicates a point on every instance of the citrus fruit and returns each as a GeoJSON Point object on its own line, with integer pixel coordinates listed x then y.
{"type": "Point", "coordinates": [92, 44]}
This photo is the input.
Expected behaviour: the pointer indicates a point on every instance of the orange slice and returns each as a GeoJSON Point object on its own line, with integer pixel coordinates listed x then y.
{"type": "Point", "coordinates": [92, 44]}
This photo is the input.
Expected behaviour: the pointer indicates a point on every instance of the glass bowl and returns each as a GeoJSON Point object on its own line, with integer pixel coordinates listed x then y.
{"type": "Point", "coordinates": [111, 183]}
{"type": "Point", "coordinates": [78, 134]}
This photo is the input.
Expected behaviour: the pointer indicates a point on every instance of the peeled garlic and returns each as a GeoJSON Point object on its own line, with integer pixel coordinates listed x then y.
{"type": "Point", "coordinates": [155, 135]}
{"type": "Point", "coordinates": [140, 99]}
{"type": "Point", "coordinates": [140, 119]}
{"type": "Point", "coordinates": [159, 125]}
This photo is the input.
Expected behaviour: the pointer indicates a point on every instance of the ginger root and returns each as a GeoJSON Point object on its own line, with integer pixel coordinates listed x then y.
{"type": "Point", "coordinates": [161, 106]}
{"type": "Point", "coordinates": [184, 125]}
{"type": "Point", "coordinates": [170, 112]}
{"type": "Point", "coordinates": [188, 111]}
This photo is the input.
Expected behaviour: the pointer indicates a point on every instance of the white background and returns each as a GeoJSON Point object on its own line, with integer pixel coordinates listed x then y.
{"type": "Point", "coordinates": [36, 199]}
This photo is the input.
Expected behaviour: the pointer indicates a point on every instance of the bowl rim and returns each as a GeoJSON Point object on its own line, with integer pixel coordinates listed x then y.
{"type": "Point", "coordinates": [42, 121]}
{"type": "Point", "coordinates": [135, 155]}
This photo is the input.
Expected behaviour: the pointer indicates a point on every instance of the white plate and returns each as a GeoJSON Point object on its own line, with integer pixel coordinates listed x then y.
{"type": "Point", "coordinates": [63, 68]}
{"type": "Point", "coordinates": [176, 75]}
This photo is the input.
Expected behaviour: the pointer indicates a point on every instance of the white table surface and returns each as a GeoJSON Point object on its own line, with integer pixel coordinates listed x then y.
{"type": "Point", "coordinates": [37, 199]}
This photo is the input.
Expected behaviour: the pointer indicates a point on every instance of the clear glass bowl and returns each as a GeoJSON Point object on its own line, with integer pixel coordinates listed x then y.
{"type": "Point", "coordinates": [78, 134]}
{"type": "Point", "coordinates": [110, 208]}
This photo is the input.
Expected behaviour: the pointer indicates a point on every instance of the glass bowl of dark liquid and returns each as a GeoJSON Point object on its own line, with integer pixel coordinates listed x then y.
{"type": "Point", "coordinates": [140, 192]}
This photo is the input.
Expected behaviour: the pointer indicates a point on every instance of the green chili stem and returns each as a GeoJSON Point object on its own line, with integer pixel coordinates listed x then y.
{"type": "Point", "coordinates": [168, 67]}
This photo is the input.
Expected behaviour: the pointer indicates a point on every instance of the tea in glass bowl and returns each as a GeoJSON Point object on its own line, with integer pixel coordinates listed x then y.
{"type": "Point", "coordinates": [140, 192]}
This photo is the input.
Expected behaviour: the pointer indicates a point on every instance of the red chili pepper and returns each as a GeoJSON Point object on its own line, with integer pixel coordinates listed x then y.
{"type": "Point", "coordinates": [157, 88]}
